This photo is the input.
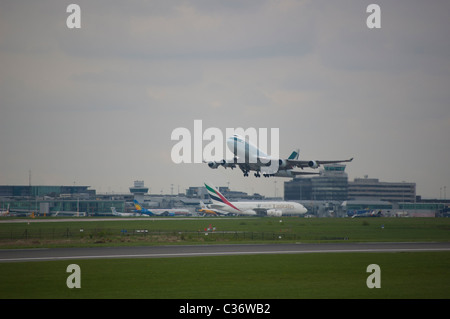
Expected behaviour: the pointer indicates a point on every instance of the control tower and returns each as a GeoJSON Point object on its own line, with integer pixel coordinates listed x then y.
{"type": "Point", "coordinates": [139, 190]}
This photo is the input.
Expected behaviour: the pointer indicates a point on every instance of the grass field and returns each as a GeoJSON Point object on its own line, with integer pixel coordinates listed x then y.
{"type": "Point", "coordinates": [334, 275]}
{"type": "Point", "coordinates": [228, 230]}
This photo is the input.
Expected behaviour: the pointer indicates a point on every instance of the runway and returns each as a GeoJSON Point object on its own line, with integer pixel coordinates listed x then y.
{"type": "Point", "coordinates": [49, 254]}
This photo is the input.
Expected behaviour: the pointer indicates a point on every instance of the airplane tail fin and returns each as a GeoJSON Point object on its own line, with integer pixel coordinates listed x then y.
{"type": "Point", "coordinates": [137, 205]}
{"type": "Point", "coordinates": [214, 194]}
{"type": "Point", "coordinates": [218, 198]}
{"type": "Point", "coordinates": [140, 209]}
{"type": "Point", "coordinates": [114, 212]}
{"type": "Point", "coordinates": [294, 155]}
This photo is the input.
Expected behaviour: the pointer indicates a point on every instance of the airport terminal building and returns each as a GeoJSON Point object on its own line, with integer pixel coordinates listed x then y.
{"type": "Point", "coordinates": [328, 194]}
{"type": "Point", "coordinates": [56, 200]}
{"type": "Point", "coordinates": [372, 188]}
{"type": "Point", "coordinates": [331, 185]}
{"type": "Point", "coordinates": [332, 194]}
{"type": "Point", "coordinates": [44, 190]}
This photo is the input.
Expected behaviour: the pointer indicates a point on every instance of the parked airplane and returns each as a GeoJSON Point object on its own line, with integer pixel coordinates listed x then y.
{"type": "Point", "coordinates": [250, 158]}
{"type": "Point", "coordinates": [254, 208]}
{"type": "Point", "coordinates": [160, 212]}
{"type": "Point", "coordinates": [18, 212]}
{"type": "Point", "coordinates": [116, 213]}
{"type": "Point", "coordinates": [142, 210]}
{"type": "Point", "coordinates": [365, 213]}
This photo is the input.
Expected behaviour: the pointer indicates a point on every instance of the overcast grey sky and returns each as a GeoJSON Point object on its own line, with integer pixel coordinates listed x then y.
{"type": "Point", "coordinates": [97, 105]}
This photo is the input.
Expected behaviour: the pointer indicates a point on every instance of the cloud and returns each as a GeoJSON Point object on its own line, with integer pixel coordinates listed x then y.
{"type": "Point", "coordinates": [113, 91]}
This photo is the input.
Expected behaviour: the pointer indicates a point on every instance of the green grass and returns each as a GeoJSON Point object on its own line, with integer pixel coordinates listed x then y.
{"type": "Point", "coordinates": [333, 275]}
{"type": "Point", "coordinates": [238, 230]}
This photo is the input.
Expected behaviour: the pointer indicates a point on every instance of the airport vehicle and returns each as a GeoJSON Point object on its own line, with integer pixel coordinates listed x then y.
{"type": "Point", "coordinates": [254, 208]}
{"type": "Point", "coordinates": [250, 158]}
{"type": "Point", "coordinates": [160, 212]}
{"type": "Point", "coordinates": [208, 211]}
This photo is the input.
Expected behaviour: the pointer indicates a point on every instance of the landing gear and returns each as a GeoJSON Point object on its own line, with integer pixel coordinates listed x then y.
{"type": "Point", "coordinates": [257, 174]}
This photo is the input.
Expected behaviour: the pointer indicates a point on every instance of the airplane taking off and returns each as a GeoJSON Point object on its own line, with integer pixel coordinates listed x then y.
{"type": "Point", "coordinates": [254, 208]}
{"type": "Point", "coordinates": [160, 212]}
{"type": "Point", "coordinates": [250, 158]}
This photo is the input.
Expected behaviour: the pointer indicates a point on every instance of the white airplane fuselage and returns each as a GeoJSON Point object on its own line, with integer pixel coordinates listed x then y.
{"type": "Point", "coordinates": [271, 207]}
{"type": "Point", "coordinates": [244, 149]}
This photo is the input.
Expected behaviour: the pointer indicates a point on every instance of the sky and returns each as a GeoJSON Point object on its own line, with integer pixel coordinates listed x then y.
{"type": "Point", "coordinates": [97, 105]}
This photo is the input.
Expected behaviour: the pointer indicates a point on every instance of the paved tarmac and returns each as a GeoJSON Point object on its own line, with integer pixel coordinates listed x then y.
{"type": "Point", "coordinates": [47, 254]}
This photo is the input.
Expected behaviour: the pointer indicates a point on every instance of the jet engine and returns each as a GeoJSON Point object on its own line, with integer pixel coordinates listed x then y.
{"type": "Point", "coordinates": [214, 165]}
{"type": "Point", "coordinates": [282, 163]}
{"type": "Point", "coordinates": [313, 164]}
{"type": "Point", "coordinates": [223, 163]}
{"type": "Point", "coordinates": [274, 213]}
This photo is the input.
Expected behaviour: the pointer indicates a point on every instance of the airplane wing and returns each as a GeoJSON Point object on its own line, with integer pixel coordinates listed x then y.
{"type": "Point", "coordinates": [314, 164]}
{"type": "Point", "coordinates": [223, 163]}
